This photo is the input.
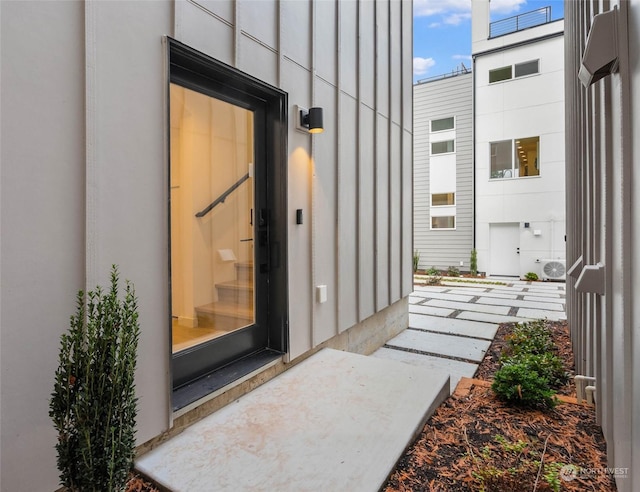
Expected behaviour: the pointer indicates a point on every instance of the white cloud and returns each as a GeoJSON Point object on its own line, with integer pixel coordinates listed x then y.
{"type": "Point", "coordinates": [458, 10]}
{"type": "Point", "coordinates": [456, 19]}
{"type": "Point", "coordinates": [506, 6]}
{"type": "Point", "coordinates": [422, 65]}
{"type": "Point", "coordinates": [426, 8]}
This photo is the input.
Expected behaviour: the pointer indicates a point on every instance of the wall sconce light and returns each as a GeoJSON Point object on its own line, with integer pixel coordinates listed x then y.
{"type": "Point", "coordinates": [309, 120]}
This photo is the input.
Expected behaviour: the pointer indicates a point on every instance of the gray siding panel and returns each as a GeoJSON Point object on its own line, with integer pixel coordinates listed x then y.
{"type": "Point", "coordinates": [438, 99]}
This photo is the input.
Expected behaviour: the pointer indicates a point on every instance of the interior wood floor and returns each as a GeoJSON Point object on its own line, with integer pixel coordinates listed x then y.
{"type": "Point", "coordinates": [184, 337]}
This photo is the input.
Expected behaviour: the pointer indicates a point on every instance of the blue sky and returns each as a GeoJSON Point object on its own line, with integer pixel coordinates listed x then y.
{"type": "Point", "coordinates": [442, 31]}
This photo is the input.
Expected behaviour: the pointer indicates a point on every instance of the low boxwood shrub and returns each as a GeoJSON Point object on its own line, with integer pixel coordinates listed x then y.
{"type": "Point", "coordinates": [520, 384]}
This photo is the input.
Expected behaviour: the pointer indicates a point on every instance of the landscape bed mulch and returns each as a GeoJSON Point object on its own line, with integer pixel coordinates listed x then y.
{"type": "Point", "coordinates": [475, 442]}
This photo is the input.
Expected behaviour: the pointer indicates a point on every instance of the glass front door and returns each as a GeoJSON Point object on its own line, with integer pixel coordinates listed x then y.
{"type": "Point", "coordinates": [212, 204]}
{"type": "Point", "coordinates": [228, 188]}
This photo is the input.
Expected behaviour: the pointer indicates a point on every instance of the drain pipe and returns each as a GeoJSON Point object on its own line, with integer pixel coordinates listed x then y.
{"type": "Point", "coordinates": [585, 391]}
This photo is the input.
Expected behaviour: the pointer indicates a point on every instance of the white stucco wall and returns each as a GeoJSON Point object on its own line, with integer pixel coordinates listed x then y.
{"type": "Point", "coordinates": [530, 106]}
{"type": "Point", "coordinates": [84, 178]}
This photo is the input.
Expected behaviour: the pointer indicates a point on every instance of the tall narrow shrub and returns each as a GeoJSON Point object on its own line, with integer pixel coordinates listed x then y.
{"type": "Point", "coordinates": [473, 262]}
{"type": "Point", "coordinates": [93, 404]}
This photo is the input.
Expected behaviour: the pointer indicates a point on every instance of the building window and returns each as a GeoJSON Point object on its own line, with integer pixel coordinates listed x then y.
{"type": "Point", "coordinates": [446, 222]}
{"type": "Point", "coordinates": [515, 158]}
{"type": "Point", "coordinates": [443, 147]}
{"type": "Point", "coordinates": [518, 70]}
{"type": "Point", "coordinates": [527, 68]}
{"type": "Point", "coordinates": [442, 124]}
{"type": "Point", "coordinates": [499, 74]}
{"type": "Point", "coordinates": [441, 199]}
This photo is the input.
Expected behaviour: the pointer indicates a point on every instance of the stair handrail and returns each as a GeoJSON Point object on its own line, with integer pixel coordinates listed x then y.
{"type": "Point", "coordinates": [222, 197]}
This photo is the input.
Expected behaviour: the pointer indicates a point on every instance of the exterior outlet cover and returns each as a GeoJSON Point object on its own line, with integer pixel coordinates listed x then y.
{"type": "Point", "coordinates": [537, 232]}
{"type": "Point", "coordinates": [591, 280]}
{"type": "Point", "coordinates": [321, 293]}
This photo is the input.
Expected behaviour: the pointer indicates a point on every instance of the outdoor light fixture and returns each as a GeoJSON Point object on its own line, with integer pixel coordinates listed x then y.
{"type": "Point", "coordinates": [309, 120]}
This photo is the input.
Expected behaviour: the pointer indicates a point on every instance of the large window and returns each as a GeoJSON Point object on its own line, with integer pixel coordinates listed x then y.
{"type": "Point", "coordinates": [445, 222]}
{"type": "Point", "coordinates": [442, 124]}
{"type": "Point", "coordinates": [514, 71]}
{"type": "Point", "coordinates": [442, 199]}
{"type": "Point", "coordinates": [515, 158]}
{"type": "Point", "coordinates": [443, 147]}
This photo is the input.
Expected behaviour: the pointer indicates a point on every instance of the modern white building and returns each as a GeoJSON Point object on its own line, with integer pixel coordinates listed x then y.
{"type": "Point", "coordinates": [443, 171]}
{"type": "Point", "coordinates": [603, 218]}
{"type": "Point", "coordinates": [166, 137]}
{"type": "Point", "coordinates": [519, 143]}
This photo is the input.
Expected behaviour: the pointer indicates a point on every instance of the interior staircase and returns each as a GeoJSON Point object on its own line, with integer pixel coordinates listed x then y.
{"type": "Point", "coordinates": [234, 307]}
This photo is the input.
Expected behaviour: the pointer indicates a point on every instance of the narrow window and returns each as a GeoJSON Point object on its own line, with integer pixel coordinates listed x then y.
{"type": "Point", "coordinates": [443, 147]}
{"type": "Point", "coordinates": [440, 199]}
{"type": "Point", "coordinates": [447, 222]}
{"type": "Point", "coordinates": [501, 161]}
{"type": "Point", "coordinates": [527, 68]}
{"type": "Point", "coordinates": [442, 124]}
{"type": "Point", "coordinates": [499, 74]}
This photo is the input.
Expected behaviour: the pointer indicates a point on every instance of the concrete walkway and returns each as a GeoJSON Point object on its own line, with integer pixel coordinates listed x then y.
{"type": "Point", "coordinates": [451, 326]}
{"type": "Point", "coordinates": [340, 421]}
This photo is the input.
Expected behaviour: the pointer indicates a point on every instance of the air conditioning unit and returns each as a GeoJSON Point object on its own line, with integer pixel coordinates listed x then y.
{"type": "Point", "coordinates": [554, 269]}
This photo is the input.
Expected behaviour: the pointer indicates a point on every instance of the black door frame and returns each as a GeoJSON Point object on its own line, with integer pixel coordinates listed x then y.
{"type": "Point", "coordinates": [197, 71]}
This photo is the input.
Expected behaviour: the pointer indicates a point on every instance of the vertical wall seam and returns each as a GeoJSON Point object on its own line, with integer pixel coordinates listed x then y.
{"type": "Point", "coordinates": [358, 164]}
{"type": "Point", "coordinates": [336, 176]}
{"type": "Point", "coordinates": [236, 33]}
{"type": "Point", "coordinates": [91, 137]}
{"type": "Point", "coordinates": [376, 252]}
{"type": "Point", "coordinates": [312, 180]}
{"type": "Point", "coordinates": [390, 263]}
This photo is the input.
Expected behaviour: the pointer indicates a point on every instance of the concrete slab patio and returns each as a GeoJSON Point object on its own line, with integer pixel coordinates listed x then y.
{"type": "Point", "coordinates": [337, 421]}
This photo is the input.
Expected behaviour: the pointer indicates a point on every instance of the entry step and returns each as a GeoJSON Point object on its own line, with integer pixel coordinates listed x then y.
{"type": "Point", "coordinates": [336, 421]}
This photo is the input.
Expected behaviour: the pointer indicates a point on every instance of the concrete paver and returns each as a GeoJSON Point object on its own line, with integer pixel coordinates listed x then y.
{"type": "Point", "coordinates": [454, 368]}
{"type": "Point", "coordinates": [453, 326]}
{"type": "Point", "coordinates": [483, 308]}
{"type": "Point", "coordinates": [436, 343]}
{"type": "Point", "coordinates": [429, 310]}
{"type": "Point", "coordinates": [555, 306]}
{"type": "Point", "coordinates": [490, 318]}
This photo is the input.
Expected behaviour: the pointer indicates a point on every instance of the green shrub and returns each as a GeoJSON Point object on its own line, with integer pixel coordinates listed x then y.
{"type": "Point", "coordinates": [93, 405]}
{"type": "Point", "coordinates": [531, 276]}
{"type": "Point", "coordinates": [416, 260]}
{"type": "Point", "coordinates": [519, 384]}
{"type": "Point", "coordinates": [473, 262]}
{"type": "Point", "coordinates": [453, 271]}
{"type": "Point", "coordinates": [531, 337]}
{"type": "Point", "coordinates": [433, 271]}
{"type": "Point", "coordinates": [547, 365]}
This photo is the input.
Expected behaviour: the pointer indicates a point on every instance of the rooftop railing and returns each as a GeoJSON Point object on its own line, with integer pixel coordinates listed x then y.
{"type": "Point", "coordinates": [519, 22]}
{"type": "Point", "coordinates": [456, 71]}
